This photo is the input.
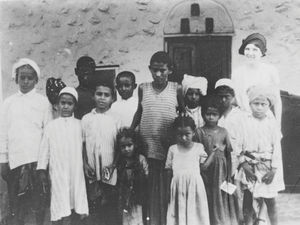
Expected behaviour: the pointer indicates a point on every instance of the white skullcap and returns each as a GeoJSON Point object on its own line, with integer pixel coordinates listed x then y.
{"type": "Point", "coordinates": [69, 90]}
{"type": "Point", "coordinates": [23, 62]}
{"type": "Point", "coordinates": [224, 82]}
{"type": "Point", "coordinates": [194, 82]}
{"type": "Point", "coordinates": [261, 91]}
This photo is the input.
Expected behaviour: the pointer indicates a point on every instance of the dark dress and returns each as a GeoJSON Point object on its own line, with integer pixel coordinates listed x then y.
{"type": "Point", "coordinates": [221, 205]}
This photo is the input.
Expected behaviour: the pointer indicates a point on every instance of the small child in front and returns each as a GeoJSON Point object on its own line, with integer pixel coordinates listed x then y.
{"type": "Point", "coordinates": [100, 128]}
{"type": "Point", "coordinates": [194, 88]}
{"type": "Point", "coordinates": [61, 150]}
{"type": "Point", "coordinates": [158, 102]}
{"type": "Point", "coordinates": [216, 139]}
{"type": "Point", "coordinates": [263, 160]}
{"type": "Point", "coordinates": [188, 202]}
{"type": "Point", "coordinates": [132, 177]}
{"type": "Point", "coordinates": [127, 105]}
{"type": "Point", "coordinates": [23, 118]}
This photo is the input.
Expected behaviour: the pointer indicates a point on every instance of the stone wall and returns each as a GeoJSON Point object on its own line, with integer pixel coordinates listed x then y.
{"type": "Point", "coordinates": [127, 32]}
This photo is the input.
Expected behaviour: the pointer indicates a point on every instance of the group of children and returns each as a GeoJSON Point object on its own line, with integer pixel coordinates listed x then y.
{"type": "Point", "coordinates": [169, 156]}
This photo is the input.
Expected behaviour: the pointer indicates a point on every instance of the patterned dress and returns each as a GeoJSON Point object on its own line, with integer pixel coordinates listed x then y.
{"type": "Point", "coordinates": [188, 201]}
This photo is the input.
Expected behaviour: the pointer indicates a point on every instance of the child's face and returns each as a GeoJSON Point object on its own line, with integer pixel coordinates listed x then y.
{"type": "Point", "coordinates": [103, 98]}
{"type": "Point", "coordinates": [125, 87]}
{"type": "Point", "coordinates": [252, 52]}
{"type": "Point", "coordinates": [66, 105]}
{"type": "Point", "coordinates": [226, 99]}
{"type": "Point", "coordinates": [259, 107]}
{"type": "Point", "coordinates": [192, 97]}
{"type": "Point", "coordinates": [160, 73]}
{"type": "Point", "coordinates": [211, 116]}
{"type": "Point", "coordinates": [185, 135]}
{"type": "Point", "coordinates": [126, 146]}
{"type": "Point", "coordinates": [26, 79]}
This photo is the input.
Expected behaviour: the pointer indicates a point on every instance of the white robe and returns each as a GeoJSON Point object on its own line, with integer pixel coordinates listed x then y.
{"type": "Point", "coordinates": [61, 148]}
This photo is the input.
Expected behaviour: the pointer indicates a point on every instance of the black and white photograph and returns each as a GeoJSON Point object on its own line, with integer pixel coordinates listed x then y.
{"type": "Point", "coordinates": [149, 112]}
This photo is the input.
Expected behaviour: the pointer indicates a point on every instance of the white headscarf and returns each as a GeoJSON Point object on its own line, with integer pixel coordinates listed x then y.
{"type": "Point", "coordinates": [224, 82]}
{"type": "Point", "coordinates": [69, 90]}
{"type": "Point", "coordinates": [261, 91]}
{"type": "Point", "coordinates": [23, 62]}
{"type": "Point", "coordinates": [194, 82]}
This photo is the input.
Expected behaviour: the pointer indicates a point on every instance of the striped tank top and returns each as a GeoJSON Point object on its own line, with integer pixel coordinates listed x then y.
{"type": "Point", "coordinates": [159, 112]}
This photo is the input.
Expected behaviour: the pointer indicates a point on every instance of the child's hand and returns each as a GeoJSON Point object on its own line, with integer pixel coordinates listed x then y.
{"type": "Point", "coordinates": [218, 148]}
{"type": "Point", "coordinates": [4, 171]}
{"type": "Point", "coordinates": [250, 176]}
{"type": "Point", "coordinates": [107, 171]}
{"type": "Point", "coordinates": [268, 177]}
{"type": "Point", "coordinates": [89, 171]}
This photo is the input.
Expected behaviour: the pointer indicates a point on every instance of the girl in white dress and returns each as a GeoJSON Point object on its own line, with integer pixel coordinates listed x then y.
{"type": "Point", "coordinates": [61, 149]}
{"type": "Point", "coordinates": [188, 201]}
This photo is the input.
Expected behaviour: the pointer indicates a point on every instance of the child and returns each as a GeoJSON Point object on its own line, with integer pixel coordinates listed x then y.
{"type": "Point", "coordinates": [188, 201]}
{"type": "Point", "coordinates": [233, 120]}
{"type": "Point", "coordinates": [132, 177]}
{"type": "Point", "coordinates": [127, 106]}
{"type": "Point", "coordinates": [256, 72]}
{"type": "Point", "coordinates": [61, 149]}
{"type": "Point", "coordinates": [156, 111]}
{"type": "Point", "coordinates": [194, 88]}
{"type": "Point", "coordinates": [262, 169]}
{"type": "Point", "coordinates": [23, 117]}
{"type": "Point", "coordinates": [100, 128]}
{"type": "Point", "coordinates": [215, 138]}
{"type": "Point", "coordinates": [53, 87]}
{"type": "Point", "coordinates": [84, 70]}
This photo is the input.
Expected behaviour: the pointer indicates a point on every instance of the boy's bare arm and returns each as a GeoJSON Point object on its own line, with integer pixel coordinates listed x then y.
{"type": "Point", "coordinates": [138, 114]}
{"type": "Point", "coordinates": [180, 99]}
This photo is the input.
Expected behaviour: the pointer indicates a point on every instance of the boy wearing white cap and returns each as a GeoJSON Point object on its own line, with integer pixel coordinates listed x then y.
{"type": "Point", "coordinates": [23, 117]}
{"type": "Point", "coordinates": [61, 150]}
{"type": "Point", "coordinates": [194, 88]}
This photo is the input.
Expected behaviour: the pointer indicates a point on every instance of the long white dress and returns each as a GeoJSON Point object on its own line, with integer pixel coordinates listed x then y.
{"type": "Point", "coordinates": [188, 201]}
{"type": "Point", "coordinates": [61, 148]}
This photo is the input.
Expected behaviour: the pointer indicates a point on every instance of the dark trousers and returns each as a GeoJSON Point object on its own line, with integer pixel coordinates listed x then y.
{"type": "Point", "coordinates": [24, 194]}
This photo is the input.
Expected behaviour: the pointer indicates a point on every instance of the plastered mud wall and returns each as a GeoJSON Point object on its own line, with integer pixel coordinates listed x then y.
{"type": "Point", "coordinates": [56, 33]}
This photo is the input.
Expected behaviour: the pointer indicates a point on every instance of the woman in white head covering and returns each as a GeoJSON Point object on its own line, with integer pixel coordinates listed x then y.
{"type": "Point", "coordinates": [194, 88]}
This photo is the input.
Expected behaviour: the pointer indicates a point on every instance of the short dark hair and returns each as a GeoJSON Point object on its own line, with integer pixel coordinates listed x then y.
{"type": "Point", "coordinates": [184, 121]}
{"type": "Point", "coordinates": [125, 74]}
{"type": "Point", "coordinates": [211, 101]}
{"type": "Point", "coordinates": [106, 83]}
{"type": "Point", "coordinates": [161, 57]}
{"type": "Point", "coordinates": [85, 61]}
{"type": "Point", "coordinates": [224, 89]}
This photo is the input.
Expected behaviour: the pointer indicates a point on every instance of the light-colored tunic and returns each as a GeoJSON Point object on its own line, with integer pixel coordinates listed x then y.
{"type": "Point", "coordinates": [261, 74]}
{"type": "Point", "coordinates": [61, 148]}
{"type": "Point", "coordinates": [234, 123]}
{"type": "Point", "coordinates": [188, 201]}
{"type": "Point", "coordinates": [99, 134]}
{"type": "Point", "coordinates": [196, 115]}
{"type": "Point", "coordinates": [22, 120]}
{"type": "Point", "coordinates": [263, 141]}
{"type": "Point", "coordinates": [159, 112]}
{"type": "Point", "coordinates": [125, 109]}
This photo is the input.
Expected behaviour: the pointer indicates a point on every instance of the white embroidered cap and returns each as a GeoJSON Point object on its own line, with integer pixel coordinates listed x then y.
{"type": "Point", "coordinates": [69, 90]}
{"type": "Point", "coordinates": [22, 62]}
